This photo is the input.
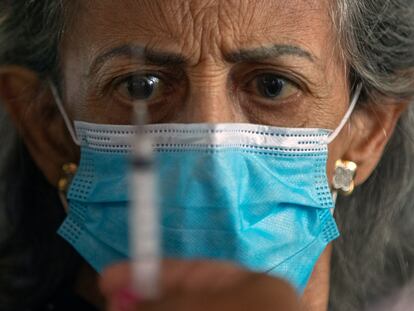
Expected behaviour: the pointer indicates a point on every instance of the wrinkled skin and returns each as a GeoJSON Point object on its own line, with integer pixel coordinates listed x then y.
{"type": "Point", "coordinates": [217, 51]}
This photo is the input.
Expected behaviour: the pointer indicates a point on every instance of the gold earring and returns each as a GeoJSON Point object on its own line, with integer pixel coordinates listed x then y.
{"type": "Point", "coordinates": [69, 171]}
{"type": "Point", "coordinates": [343, 179]}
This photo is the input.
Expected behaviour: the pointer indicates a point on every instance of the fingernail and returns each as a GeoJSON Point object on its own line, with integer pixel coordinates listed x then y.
{"type": "Point", "coordinates": [126, 300]}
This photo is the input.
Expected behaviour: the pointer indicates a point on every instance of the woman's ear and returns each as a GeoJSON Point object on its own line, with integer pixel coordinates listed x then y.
{"type": "Point", "coordinates": [31, 107]}
{"type": "Point", "coordinates": [371, 128]}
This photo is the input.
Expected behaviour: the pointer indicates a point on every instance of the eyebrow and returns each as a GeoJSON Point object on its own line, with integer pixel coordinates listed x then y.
{"type": "Point", "coordinates": [267, 52]}
{"type": "Point", "coordinates": [174, 59]}
{"type": "Point", "coordinates": [138, 52]}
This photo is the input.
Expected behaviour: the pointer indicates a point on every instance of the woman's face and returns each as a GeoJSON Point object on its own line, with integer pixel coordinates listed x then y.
{"type": "Point", "coordinates": [265, 62]}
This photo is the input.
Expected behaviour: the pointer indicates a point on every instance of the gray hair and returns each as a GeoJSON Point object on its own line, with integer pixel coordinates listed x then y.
{"type": "Point", "coordinates": [375, 252]}
{"type": "Point", "coordinates": [30, 33]}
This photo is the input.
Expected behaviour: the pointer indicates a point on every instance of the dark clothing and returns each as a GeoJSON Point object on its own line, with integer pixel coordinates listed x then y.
{"type": "Point", "coordinates": [63, 301]}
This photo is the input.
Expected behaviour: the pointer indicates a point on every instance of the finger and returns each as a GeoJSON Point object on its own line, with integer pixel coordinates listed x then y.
{"type": "Point", "coordinates": [115, 279]}
{"type": "Point", "coordinates": [258, 292]}
{"type": "Point", "coordinates": [177, 275]}
{"type": "Point", "coordinates": [201, 275]}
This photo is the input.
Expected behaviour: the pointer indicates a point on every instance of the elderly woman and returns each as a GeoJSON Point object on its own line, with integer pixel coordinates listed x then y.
{"type": "Point", "coordinates": [267, 110]}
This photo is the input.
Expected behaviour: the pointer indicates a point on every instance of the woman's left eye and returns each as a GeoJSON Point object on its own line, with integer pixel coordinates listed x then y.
{"type": "Point", "coordinates": [271, 87]}
{"type": "Point", "coordinates": [141, 87]}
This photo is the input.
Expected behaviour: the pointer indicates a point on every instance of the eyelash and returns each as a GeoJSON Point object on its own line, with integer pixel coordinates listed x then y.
{"type": "Point", "coordinates": [124, 78]}
{"type": "Point", "coordinates": [110, 86]}
{"type": "Point", "coordinates": [290, 78]}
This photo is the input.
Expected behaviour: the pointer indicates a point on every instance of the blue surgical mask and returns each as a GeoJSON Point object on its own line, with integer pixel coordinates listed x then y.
{"type": "Point", "coordinates": [257, 196]}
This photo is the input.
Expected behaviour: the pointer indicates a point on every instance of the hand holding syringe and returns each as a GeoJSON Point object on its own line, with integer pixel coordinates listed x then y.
{"type": "Point", "coordinates": [144, 219]}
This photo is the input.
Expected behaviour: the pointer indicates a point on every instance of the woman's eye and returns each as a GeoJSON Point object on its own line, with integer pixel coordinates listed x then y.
{"type": "Point", "coordinates": [271, 87]}
{"type": "Point", "coordinates": [141, 87]}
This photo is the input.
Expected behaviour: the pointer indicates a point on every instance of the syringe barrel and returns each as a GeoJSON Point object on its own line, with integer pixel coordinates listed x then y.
{"type": "Point", "coordinates": [145, 220]}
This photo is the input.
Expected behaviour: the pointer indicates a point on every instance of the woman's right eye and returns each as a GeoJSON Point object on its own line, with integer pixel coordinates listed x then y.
{"type": "Point", "coordinates": [141, 87]}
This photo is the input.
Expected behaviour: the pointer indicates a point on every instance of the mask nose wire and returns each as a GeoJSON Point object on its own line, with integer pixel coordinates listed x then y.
{"type": "Point", "coordinates": [347, 115]}
{"type": "Point", "coordinates": [62, 111]}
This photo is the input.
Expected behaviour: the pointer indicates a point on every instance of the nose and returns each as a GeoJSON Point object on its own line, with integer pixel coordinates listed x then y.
{"type": "Point", "coordinates": [210, 98]}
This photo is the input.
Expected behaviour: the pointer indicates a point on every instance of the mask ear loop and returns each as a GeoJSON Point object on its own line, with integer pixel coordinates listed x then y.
{"type": "Point", "coordinates": [71, 170]}
{"type": "Point", "coordinates": [347, 115]}
{"type": "Point", "coordinates": [334, 198]}
{"type": "Point", "coordinates": [62, 111]}
{"type": "Point", "coordinates": [335, 133]}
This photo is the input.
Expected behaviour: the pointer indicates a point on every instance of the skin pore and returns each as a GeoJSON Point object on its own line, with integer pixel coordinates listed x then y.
{"type": "Point", "coordinates": [209, 60]}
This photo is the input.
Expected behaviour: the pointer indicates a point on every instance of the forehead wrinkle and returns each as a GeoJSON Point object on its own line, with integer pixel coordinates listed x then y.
{"type": "Point", "coordinates": [202, 30]}
{"type": "Point", "coordinates": [224, 23]}
{"type": "Point", "coordinates": [159, 14]}
{"type": "Point", "coordinates": [184, 19]}
{"type": "Point", "coordinates": [269, 17]}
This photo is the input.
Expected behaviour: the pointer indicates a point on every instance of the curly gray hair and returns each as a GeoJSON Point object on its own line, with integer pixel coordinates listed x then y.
{"type": "Point", "coordinates": [375, 253]}
{"type": "Point", "coordinates": [376, 39]}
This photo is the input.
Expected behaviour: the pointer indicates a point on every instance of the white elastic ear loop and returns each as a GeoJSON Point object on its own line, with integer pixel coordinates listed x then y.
{"type": "Point", "coordinates": [335, 134]}
{"type": "Point", "coordinates": [62, 111]}
{"type": "Point", "coordinates": [334, 198]}
{"type": "Point", "coordinates": [345, 119]}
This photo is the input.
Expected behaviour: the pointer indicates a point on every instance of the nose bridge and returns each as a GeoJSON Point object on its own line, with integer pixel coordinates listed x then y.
{"type": "Point", "coordinates": [209, 99]}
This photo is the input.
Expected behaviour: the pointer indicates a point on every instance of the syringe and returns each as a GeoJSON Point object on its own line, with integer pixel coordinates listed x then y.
{"type": "Point", "coordinates": [144, 222]}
